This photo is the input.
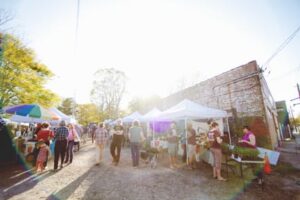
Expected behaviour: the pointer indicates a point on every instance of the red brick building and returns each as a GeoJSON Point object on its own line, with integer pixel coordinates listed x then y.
{"type": "Point", "coordinates": [243, 92]}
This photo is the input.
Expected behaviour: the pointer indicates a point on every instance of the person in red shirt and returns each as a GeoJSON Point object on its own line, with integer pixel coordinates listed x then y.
{"type": "Point", "coordinates": [45, 134]}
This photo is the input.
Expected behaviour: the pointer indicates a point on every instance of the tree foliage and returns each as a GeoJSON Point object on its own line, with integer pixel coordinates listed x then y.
{"type": "Point", "coordinates": [87, 113]}
{"type": "Point", "coordinates": [67, 106]}
{"type": "Point", "coordinates": [295, 122]}
{"type": "Point", "coordinates": [108, 89]}
{"type": "Point", "coordinates": [22, 77]}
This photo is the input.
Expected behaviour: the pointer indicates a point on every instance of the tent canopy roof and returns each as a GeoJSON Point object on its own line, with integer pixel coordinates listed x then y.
{"type": "Point", "coordinates": [59, 113]}
{"type": "Point", "coordinates": [63, 116]}
{"type": "Point", "coordinates": [130, 118]}
{"type": "Point", "coordinates": [191, 110]}
{"type": "Point", "coordinates": [152, 114]}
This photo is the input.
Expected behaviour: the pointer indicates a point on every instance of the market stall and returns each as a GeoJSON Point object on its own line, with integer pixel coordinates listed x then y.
{"type": "Point", "coordinates": [188, 110]}
{"type": "Point", "coordinates": [62, 116]}
{"type": "Point", "coordinates": [150, 119]}
{"type": "Point", "coordinates": [30, 113]}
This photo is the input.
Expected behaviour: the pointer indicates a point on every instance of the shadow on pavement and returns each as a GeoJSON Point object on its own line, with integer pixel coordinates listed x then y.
{"type": "Point", "coordinates": [67, 191]}
{"type": "Point", "coordinates": [18, 180]}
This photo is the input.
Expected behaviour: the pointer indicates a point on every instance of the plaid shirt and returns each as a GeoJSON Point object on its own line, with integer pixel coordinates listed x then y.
{"type": "Point", "coordinates": [101, 136]}
{"type": "Point", "coordinates": [61, 133]}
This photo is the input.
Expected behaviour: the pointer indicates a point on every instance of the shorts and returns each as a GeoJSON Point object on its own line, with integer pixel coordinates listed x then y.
{"type": "Point", "coordinates": [172, 149]}
{"type": "Point", "coordinates": [217, 155]}
{"type": "Point", "coordinates": [191, 150]}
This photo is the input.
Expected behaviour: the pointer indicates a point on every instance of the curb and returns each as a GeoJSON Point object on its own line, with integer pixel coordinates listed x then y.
{"type": "Point", "coordinates": [294, 151]}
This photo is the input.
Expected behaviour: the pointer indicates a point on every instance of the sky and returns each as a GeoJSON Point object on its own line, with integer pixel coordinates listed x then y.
{"type": "Point", "coordinates": [161, 45]}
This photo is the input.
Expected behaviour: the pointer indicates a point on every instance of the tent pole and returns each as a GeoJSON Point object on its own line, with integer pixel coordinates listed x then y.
{"type": "Point", "coordinates": [229, 134]}
{"type": "Point", "coordinates": [153, 128]}
{"type": "Point", "coordinates": [186, 141]}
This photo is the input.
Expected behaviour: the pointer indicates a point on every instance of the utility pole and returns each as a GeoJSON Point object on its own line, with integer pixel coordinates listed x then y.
{"type": "Point", "coordinates": [298, 88]}
{"type": "Point", "coordinates": [298, 98]}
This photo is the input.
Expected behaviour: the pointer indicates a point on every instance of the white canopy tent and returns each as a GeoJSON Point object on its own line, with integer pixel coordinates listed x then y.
{"type": "Point", "coordinates": [191, 110]}
{"type": "Point", "coordinates": [130, 118]}
{"type": "Point", "coordinates": [62, 116]}
{"type": "Point", "coordinates": [187, 109]}
{"type": "Point", "coordinates": [152, 115]}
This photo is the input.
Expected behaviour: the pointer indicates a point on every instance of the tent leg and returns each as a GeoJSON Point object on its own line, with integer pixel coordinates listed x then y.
{"type": "Point", "coordinates": [153, 129]}
{"type": "Point", "coordinates": [186, 142]}
{"type": "Point", "coordinates": [229, 134]}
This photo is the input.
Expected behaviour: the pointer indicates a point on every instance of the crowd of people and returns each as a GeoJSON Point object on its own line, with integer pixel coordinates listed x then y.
{"type": "Point", "coordinates": [136, 136]}
{"type": "Point", "coordinates": [63, 138]}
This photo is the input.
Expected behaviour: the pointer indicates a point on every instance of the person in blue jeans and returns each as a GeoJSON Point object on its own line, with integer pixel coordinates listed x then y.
{"type": "Point", "coordinates": [136, 136]}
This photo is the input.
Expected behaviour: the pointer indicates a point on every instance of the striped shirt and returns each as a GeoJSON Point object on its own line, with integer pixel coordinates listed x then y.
{"type": "Point", "coordinates": [61, 133]}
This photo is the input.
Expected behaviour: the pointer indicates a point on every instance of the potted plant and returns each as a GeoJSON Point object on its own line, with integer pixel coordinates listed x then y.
{"type": "Point", "coordinates": [225, 149]}
{"type": "Point", "coordinates": [246, 153]}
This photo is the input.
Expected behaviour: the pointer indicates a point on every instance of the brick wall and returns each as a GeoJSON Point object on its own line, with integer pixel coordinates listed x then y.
{"type": "Point", "coordinates": [242, 92]}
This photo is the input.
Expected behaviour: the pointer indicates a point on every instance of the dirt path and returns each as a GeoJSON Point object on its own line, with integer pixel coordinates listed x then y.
{"type": "Point", "coordinates": [83, 180]}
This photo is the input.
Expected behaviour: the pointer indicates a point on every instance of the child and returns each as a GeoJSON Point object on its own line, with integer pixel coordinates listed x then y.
{"type": "Point", "coordinates": [42, 156]}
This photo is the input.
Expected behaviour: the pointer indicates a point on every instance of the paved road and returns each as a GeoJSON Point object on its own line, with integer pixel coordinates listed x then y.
{"type": "Point", "coordinates": [83, 180]}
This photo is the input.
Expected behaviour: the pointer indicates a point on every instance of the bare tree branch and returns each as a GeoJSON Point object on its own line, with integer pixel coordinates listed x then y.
{"type": "Point", "coordinates": [5, 18]}
{"type": "Point", "coordinates": [108, 89]}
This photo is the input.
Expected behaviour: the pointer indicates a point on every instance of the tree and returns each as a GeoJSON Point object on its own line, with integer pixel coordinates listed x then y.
{"type": "Point", "coordinates": [108, 89]}
{"type": "Point", "coordinates": [68, 106]}
{"type": "Point", "coordinates": [295, 122]}
{"type": "Point", "coordinates": [143, 105]}
{"type": "Point", "coordinates": [22, 78]}
{"type": "Point", "coordinates": [87, 113]}
{"type": "Point", "coordinates": [5, 17]}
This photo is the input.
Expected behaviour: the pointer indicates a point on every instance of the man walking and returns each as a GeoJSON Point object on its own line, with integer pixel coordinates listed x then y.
{"type": "Point", "coordinates": [100, 138]}
{"type": "Point", "coordinates": [136, 136]}
{"type": "Point", "coordinates": [117, 139]}
{"type": "Point", "coordinates": [172, 138]}
{"type": "Point", "coordinates": [61, 136]}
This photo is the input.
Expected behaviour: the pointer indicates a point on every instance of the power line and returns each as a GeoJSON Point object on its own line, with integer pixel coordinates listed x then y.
{"type": "Point", "coordinates": [286, 74]}
{"type": "Point", "coordinates": [77, 24]}
{"type": "Point", "coordinates": [280, 48]}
